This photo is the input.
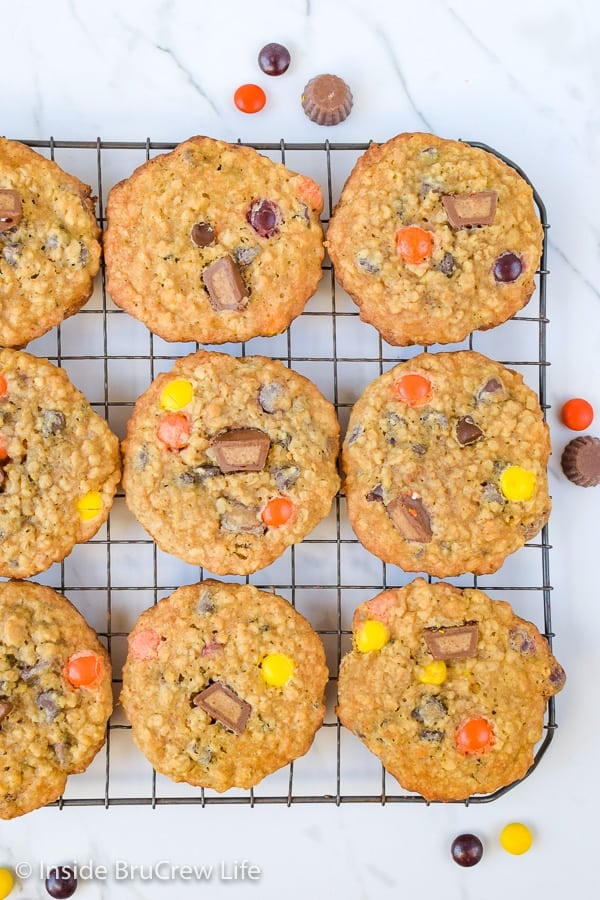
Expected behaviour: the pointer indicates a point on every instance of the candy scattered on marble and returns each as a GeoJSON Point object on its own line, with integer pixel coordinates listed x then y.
{"type": "Point", "coordinates": [7, 882]}
{"type": "Point", "coordinates": [577, 414]}
{"type": "Point", "coordinates": [327, 100]}
{"type": "Point", "coordinates": [580, 461]}
{"type": "Point", "coordinates": [274, 59]}
{"type": "Point", "coordinates": [466, 850]}
{"type": "Point", "coordinates": [250, 98]}
{"type": "Point", "coordinates": [61, 882]}
{"type": "Point", "coordinates": [516, 838]}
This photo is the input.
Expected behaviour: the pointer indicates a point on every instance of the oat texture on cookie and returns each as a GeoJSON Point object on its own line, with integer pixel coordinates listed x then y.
{"type": "Point", "coordinates": [228, 461]}
{"type": "Point", "coordinates": [445, 461]}
{"type": "Point", "coordinates": [59, 465]}
{"type": "Point", "coordinates": [49, 247]}
{"type": "Point", "coordinates": [223, 684]}
{"type": "Point", "coordinates": [472, 728]}
{"type": "Point", "coordinates": [434, 238]}
{"type": "Point", "coordinates": [55, 695]}
{"type": "Point", "coordinates": [213, 243]}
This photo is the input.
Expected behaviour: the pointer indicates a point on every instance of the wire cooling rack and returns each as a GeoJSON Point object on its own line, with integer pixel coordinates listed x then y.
{"type": "Point", "coordinates": [112, 358]}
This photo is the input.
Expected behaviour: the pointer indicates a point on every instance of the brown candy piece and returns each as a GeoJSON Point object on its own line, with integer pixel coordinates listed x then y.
{"type": "Point", "coordinates": [464, 210]}
{"type": "Point", "coordinates": [241, 450]}
{"type": "Point", "coordinates": [580, 461]}
{"type": "Point", "coordinates": [10, 209]}
{"type": "Point", "coordinates": [223, 704]}
{"type": "Point", "coordinates": [5, 708]}
{"type": "Point", "coordinates": [225, 285]}
{"type": "Point", "coordinates": [454, 642]}
{"type": "Point", "coordinates": [327, 100]}
{"type": "Point", "coordinates": [467, 432]}
{"type": "Point", "coordinates": [410, 517]}
{"type": "Point", "coordinates": [203, 234]}
{"type": "Point", "coordinates": [493, 386]}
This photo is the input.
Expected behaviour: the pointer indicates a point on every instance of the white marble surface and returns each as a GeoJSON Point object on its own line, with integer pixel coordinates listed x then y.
{"type": "Point", "coordinates": [523, 77]}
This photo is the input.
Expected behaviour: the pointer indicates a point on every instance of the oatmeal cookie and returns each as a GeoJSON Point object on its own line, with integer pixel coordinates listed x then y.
{"type": "Point", "coordinates": [49, 248]}
{"type": "Point", "coordinates": [214, 242]}
{"type": "Point", "coordinates": [59, 465]}
{"type": "Point", "coordinates": [55, 695]}
{"type": "Point", "coordinates": [447, 687]}
{"type": "Point", "coordinates": [445, 459]}
{"type": "Point", "coordinates": [228, 461]}
{"type": "Point", "coordinates": [434, 238]}
{"type": "Point", "coordinates": [223, 684]}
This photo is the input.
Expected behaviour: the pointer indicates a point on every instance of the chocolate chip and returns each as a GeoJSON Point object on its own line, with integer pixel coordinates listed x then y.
{"type": "Point", "coordinates": [203, 234]}
{"type": "Point", "coordinates": [213, 648]}
{"type": "Point", "coordinates": [270, 396]}
{"type": "Point", "coordinates": [327, 100]}
{"type": "Point", "coordinates": [241, 450]}
{"type": "Point", "coordinates": [467, 210]}
{"type": "Point", "coordinates": [51, 242]}
{"type": "Point", "coordinates": [30, 673]}
{"type": "Point", "coordinates": [430, 710]}
{"type": "Point", "coordinates": [467, 432]}
{"type": "Point", "coordinates": [62, 753]}
{"type": "Point", "coordinates": [368, 264]}
{"type": "Point", "coordinates": [433, 418]}
{"type": "Point", "coordinates": [375, 495]}
{"type": "Point", "coordinates": [265, 217]}
{"type": "Point", "coordinates": [199, 474]}
{"type": "Point", "coordinates": [225, 286]}
{"type": "Point", "coordinates": [205, 605]}
{"type": "Point", "coordinates": [452, 642]}
{"type": "Point", "coordinates": [10, 209]}
{"type": "Point", "coordinates": [354, 434]}
{"type": "Point", "coordinates": [491, 389]}
{"type": "Point", "coordinates": [11, 253]}
{"type": "Point", "coordinates": [447, 265]}
{"type": "Point", "coordinates": [47, 701]}
{"type": "Point", "coordinates": [285, 477]}
{"type": "Point", "coordinates": [418, 449]}
{"type": "Point", "coordinates": [522, 642]}
{"type": "Point", "coordinates": [409, 515]}
{"type": "Point", "coordinates": [430, 153]}
{"type": "Point", "coordinates": [142, 459]}
{"type": "Point", "coordinates": [53, 422]}
{"type": "Point", "coordinates": [491, 493]}
{"type": "Point", "coordinates": [244, 256]}
{"type": "Point", "coordinates": [202, 755]}
{"type": "Point", "coordinates": [223, 704]}
{"type": "Point", "coordinates": [83, 254]}
{"type": "Point", "coordinates": [558, 677]}
{"type": "Point", "coordinates": [5, 708]}
{"type": "Point", "coordinates": [431, 735]}
{"type": "Point", "coordinates": [242, 519]}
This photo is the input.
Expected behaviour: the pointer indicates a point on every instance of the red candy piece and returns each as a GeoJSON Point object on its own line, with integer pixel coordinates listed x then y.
{"type": "Point", "coordinates": [174, 431]}
{"type": "Point", "coordinates": [277, 512]}
{"type": "Point", "coordinates": [84, 670]}
{"type": "Point", "coordinates": [249, 98]}
{"type": "Point", "coordinates": [475, 736]}
{"type": "Point", "coordinates": [3, 447]}
{"type": "Point", "coordinates": [144, 644]}
{"type": "Point", "coordinates": [414, 245]}
{"type": "Point", "coordinates": [413, 389]}
{"type": "Point", "coordinates": [577, 414]}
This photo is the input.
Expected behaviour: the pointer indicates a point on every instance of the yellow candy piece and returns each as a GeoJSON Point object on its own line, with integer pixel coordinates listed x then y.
{"type": "Point", "coordinates": [7, 883]}
{"type": "Point", "coordinates": [277, 669]}
{"type": "Point", "coordinates": [516, 838]}
{"type": "Point", "coordinates": [177, 394]}
{"type": "Point", "coordinates": [517, 483]}
{"type": "Point", "coordinates": [434, 673]}
{"type": "Point", "coordinates": [89, 506]}
{"type": "Point", "coordinates": [371, 635]}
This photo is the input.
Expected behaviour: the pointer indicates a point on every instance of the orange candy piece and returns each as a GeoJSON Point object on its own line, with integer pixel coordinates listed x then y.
{"type": "Point", "coordinates": [144, 644]}
{"type": "Point", "coordinates": [174, 431]}
{"type": "Point", "coordinates": [475, 735]}
{"type": "Point", "coordinates": [577, 414]}
{"type": "Point", "coordinates": [311, 194]}
{"type": "Point", "coordinates": [277, 512]}
{"type": "Point", "coordinates": [414, 245]}
{"type": "Point", "coordinates": [84, 670]}
{"type": "Point", "coordinates": [413, 389]}
{"type": "Point", "coordinates": [249, 98]}
{"type": "Point", "coordinates": [3, 447]}
{"type": "Point", "coordinates": [3, 385]}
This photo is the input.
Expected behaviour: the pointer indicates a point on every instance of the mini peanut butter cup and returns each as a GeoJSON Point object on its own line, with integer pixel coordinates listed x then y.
{"type": "Point", "coordinates": [327, 100]}
{"type": "Point", "coordinates": [581, 461]}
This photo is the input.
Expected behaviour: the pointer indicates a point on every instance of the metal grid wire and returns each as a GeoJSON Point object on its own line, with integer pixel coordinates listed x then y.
{"type": "Point", "coordinates": [342, 771]}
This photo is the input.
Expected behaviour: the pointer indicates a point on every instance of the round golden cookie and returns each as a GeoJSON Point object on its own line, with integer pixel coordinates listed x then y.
{"type": "Point", "coordinates": [445, 459]}
{"type": "Point", "coordinates": [214, 242]}
{"type": "Point", "coordinates": [228, 461]}
{"type": "Point", "coordinates": [59, 465]}
{"type": "Point", "coordinates": [447, 687]}
{"type": "Point", "coordinates": [49, 249]}
{"type": "Point", "coordinates": [434, 238]}
{"type": "Point", "coordinates": [55, 695]}
{"type": "Point", "coordinates": [223, 684]}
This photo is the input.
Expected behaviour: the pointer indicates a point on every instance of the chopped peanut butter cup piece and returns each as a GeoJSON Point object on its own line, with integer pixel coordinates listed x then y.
{"type": "Point", "coordinates": [241, 450]}
{"type": "Point", "coordinates": [225, 285]}
{"type": "Point", "coordinates": [411, 518]}
{"type": "Point", "coordinates": [223, 704]}
{"type": "Point", "coordinates": [454, 642]}
{"type": "Point", "coordinates": [10, 209]}
{"type": "Point", "coordinates": [464, 210]}
{"type": "Point", "coordinates": [467, 432]}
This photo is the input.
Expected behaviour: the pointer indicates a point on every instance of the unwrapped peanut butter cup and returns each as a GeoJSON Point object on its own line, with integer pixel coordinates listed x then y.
{"type": "Point", "coordinates": [581, 461]}
{"type": "Point", "coordinates": [327, 100]}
